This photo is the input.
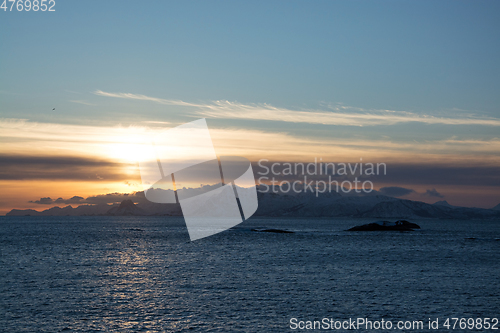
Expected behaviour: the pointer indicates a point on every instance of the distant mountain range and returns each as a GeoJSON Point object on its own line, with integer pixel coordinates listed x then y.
{"type": "Point", "coordinates": [373, 206]}
{"type": "Point", "coordinates": [334, 204]}
{"type": "Point", "coordinates": [125, 208]}
{"type": "Point", "coordinates": [444, 203]}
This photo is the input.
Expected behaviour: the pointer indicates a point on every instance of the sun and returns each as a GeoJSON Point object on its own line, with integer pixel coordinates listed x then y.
{"type": "Point", "coordinates": [128, 149]}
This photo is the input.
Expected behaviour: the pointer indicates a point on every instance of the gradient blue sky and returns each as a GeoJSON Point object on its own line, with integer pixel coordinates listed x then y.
{"type": "Point", "coordinates": [422, 56]}
{"type": "Point", "coordinates": [422, 59]}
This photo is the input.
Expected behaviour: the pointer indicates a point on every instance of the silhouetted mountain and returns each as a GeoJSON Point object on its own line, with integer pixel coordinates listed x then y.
{"type": "Point", "coordinates": [146, 208]}
{"type": "Point", "coordinates": [126, 208]}
{"type": "Point", "coordinates": [373, 205]}
{"type": "Point", "coordinates": [82, 210]}
{"type": "Point", "coordinates": [23, 212]}
{"type": "Point", "coordinates": [497, 207]}
{"type": "Point", "coordinates": [443, 203]}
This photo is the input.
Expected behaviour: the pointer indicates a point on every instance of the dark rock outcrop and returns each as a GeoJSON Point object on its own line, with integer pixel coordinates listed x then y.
{"type": "Point", "coordinates": [277, 231]}
{"type": "Point", "coordinates": [400, 225]}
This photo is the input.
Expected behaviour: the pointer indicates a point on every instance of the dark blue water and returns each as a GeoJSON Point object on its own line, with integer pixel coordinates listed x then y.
{"type": "Point", "coordinates": [140, 274]}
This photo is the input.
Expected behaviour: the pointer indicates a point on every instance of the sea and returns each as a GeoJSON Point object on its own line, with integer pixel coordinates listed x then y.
{"type": "Point", "coordinates": [142, 274]}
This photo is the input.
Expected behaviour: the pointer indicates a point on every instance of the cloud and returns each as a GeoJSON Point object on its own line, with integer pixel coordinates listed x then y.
{"type": "Point", "coordinates": [73, 200]}
{"type": "Point", "coordinates": [125, 144]}
{"type": "Point", "coordinates": [336, 115]}
{"type": "Point", "coordinates": [433, 193]}
{"type": "Point", "coordinates": [398, 174]}
{"type": "Point", "coordinates": [472, 174]}
{"type": "Point", "coordinates": [82, 102]}
{"type": "Point", "coordinates": [31, 150]}
{"type": "Point", "coordinates": [109, 198]}
{"type": "Point", "coordinates": [48, 201]}
{"type": "Point", "coordinates": [22, 167]}
{"type": "Point", "coordinates": [115, 197]}
{"type": "Point", "coordinates": [43, 201]}
{"type": "Point", "coordinates": [145, 98]}
{"type": "Point", "coordinates": [396, 191]}
{"type": "Point", "coordinates": [156, 122]}
{"type": "Point", "coordinates": [345, 116]}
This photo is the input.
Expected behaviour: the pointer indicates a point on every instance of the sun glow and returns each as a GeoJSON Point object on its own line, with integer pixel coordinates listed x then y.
{"type": "Point", "coordinates": [126, 152]}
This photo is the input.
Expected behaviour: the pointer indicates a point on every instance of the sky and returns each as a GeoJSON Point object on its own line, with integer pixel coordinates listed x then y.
{"type": "Point", "coordinates": [413, 84]}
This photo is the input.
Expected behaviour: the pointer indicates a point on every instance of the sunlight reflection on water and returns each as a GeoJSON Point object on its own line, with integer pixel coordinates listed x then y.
{"type": "Point", "coordinates": [140, 274]}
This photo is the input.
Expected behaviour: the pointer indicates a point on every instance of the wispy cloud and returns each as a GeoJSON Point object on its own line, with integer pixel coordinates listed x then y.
{"type": "Point", "coordinates": [344, 116]}
{"type": "Point", "coordinates": [154, 122]}
{"type": "Point", "coordinates": [339, 115]}
{"type": "Point", "coordinates": [82, 102]}
{"type": "Point", "coordinates": [146, 98]}
{"type": "Point", "coordinates": [126, 143]}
